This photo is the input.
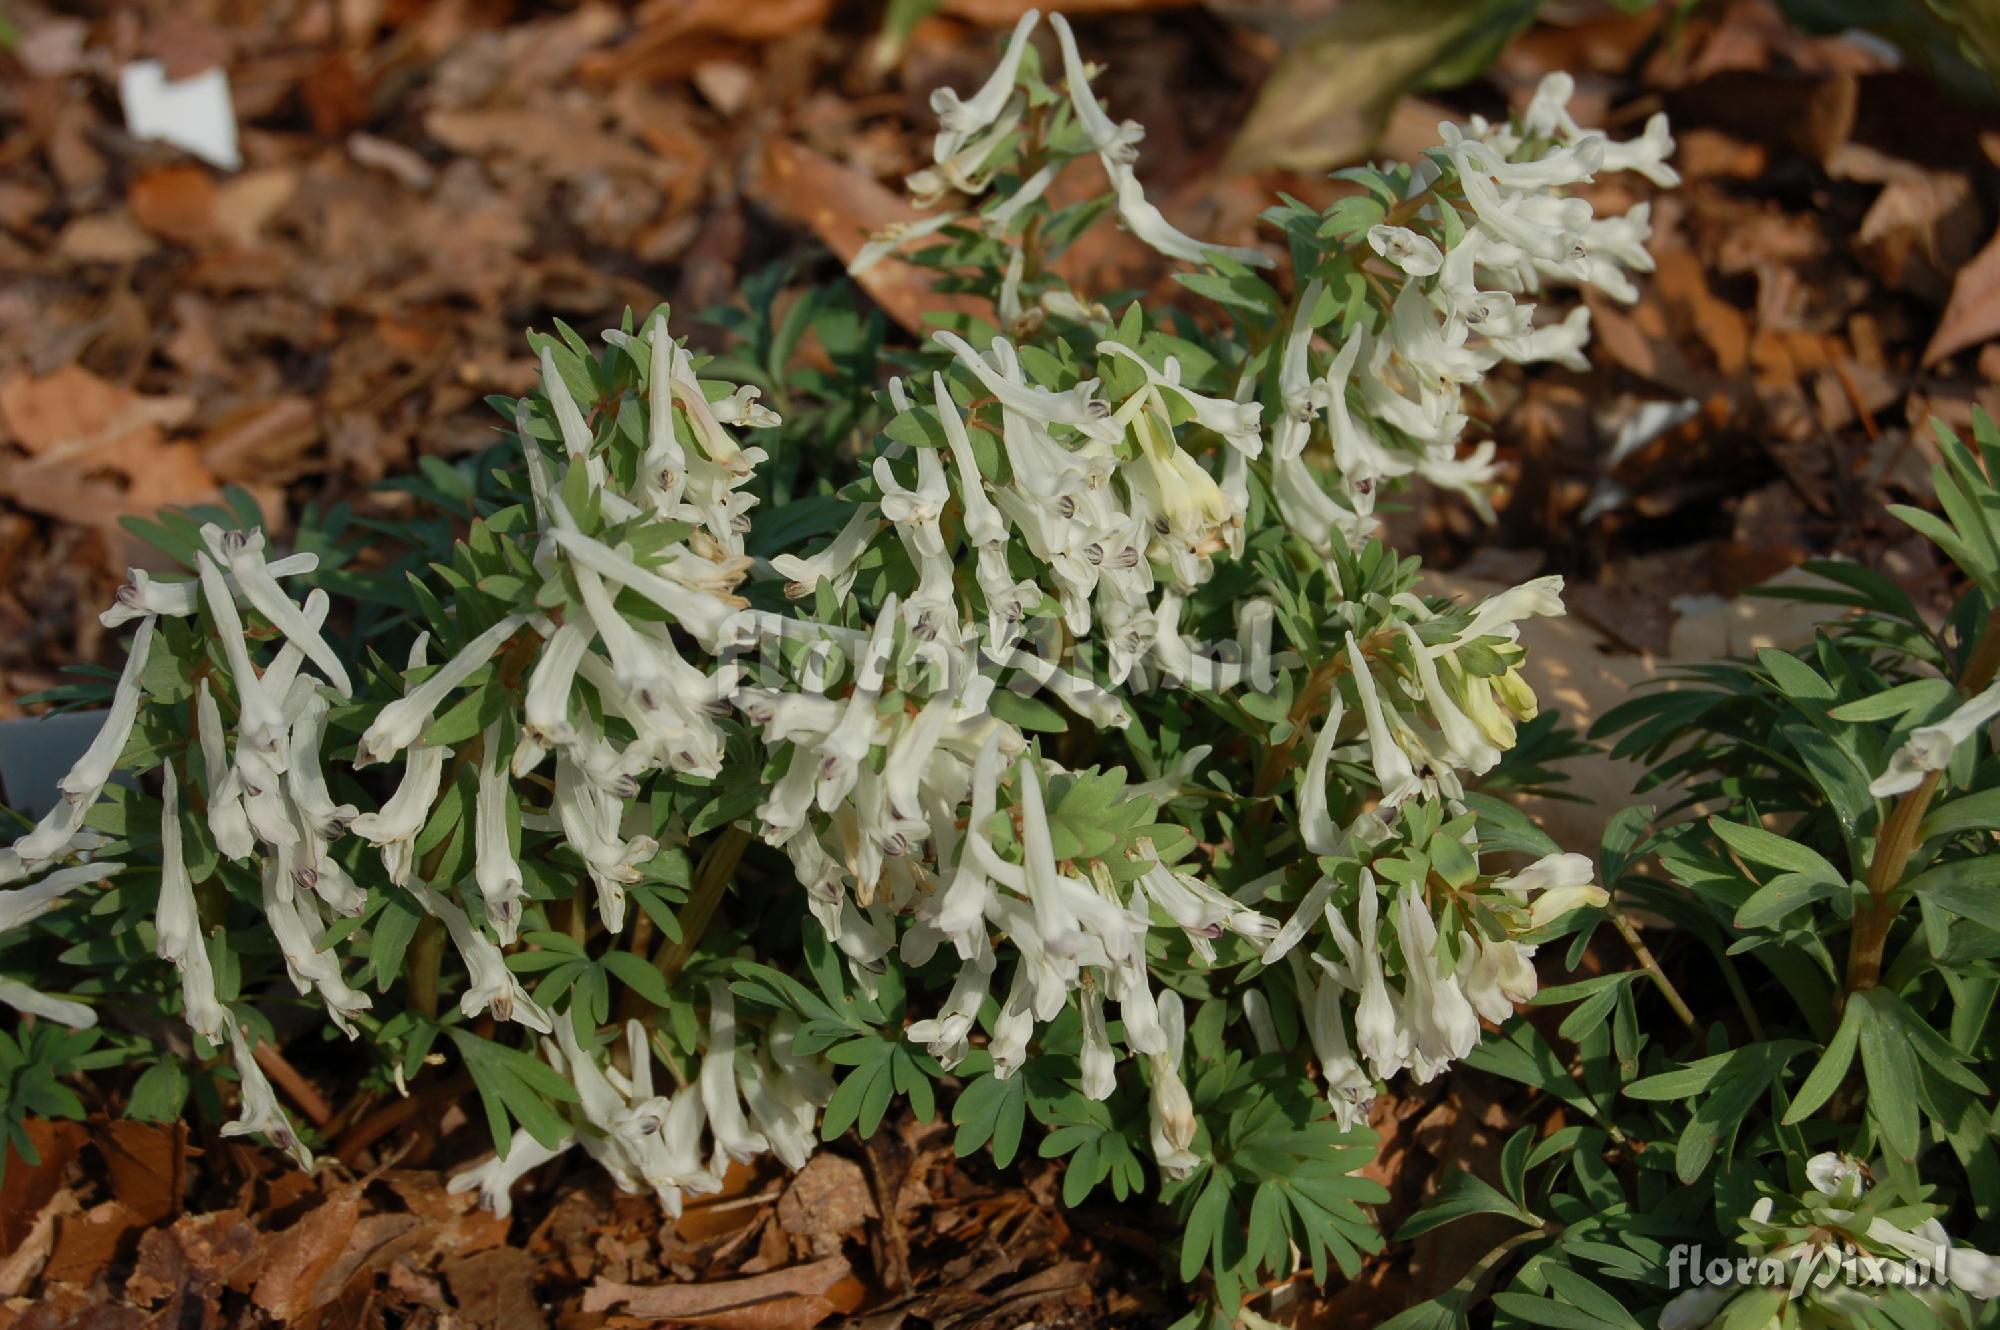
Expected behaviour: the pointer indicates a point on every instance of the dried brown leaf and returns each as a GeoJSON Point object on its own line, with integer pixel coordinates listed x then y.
{"type": "Point", "coordinates": [1973, 316]}
{"type": "Point", "coordinates": [844, 207]}
{"type": "Point", "coordinates": [298, 1259]}
{"type": "Point", "coordinates": [148, 1165]}
{"type": "Point", "coordinates": [88, 1244]}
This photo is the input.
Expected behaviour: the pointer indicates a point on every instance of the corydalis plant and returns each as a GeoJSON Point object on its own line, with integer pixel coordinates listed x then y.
{"type": "Point", "coordinates": [1827, 873]}
{"type": "Point", "coordinates": [1100, 731]}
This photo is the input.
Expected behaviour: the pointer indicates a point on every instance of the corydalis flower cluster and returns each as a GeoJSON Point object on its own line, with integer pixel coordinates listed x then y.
{"type": "Point", "coordinates": [1035, 520]}
{"type": "Point", "coordinates": [1483, 222]}
{"type": "Point", "coordinates": [1844, 1254]}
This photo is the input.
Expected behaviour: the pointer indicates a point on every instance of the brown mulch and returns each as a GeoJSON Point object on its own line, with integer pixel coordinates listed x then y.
{"type": "Point", "coordinates": [424, 180]}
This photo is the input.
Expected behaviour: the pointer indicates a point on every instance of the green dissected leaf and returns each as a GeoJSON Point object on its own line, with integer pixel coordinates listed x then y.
{"type": "Point", "coordinates": [515, 1085]}
{"type": "Point", "coordinates": [1965, 887]}
{"type": "Point", "coordinates": [1774, 851]}
{"type": "Point", "coordinates": [1459, 1195]}
{"type": "Point", "coordinates": [991, 1110]}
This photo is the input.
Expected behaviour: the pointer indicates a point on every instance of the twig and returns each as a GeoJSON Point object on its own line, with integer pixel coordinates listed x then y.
{"type": "Point", "coordinates": [300, 1090]}
{"type": "Point", "coordinates": [1651, 966]}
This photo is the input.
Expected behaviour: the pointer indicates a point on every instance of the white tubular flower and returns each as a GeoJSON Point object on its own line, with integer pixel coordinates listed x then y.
{"type": "Point", "coordinates": [972, 168]}
{"type": "Point", "coordinates": [1257, 1015]}
{"type": "Point", "coordinates": [1360, 459]}
{"type": "Point", "coordinates": [1501, 974]}
{"type": "Point", "coordinates": [141, 595]}
{"type": "Point", "coordinates": [203, 1011]}
{"type": "Point", "coordinates": [589, 819]}
{"type": "Point", "coordinates": [1239, 423]}
{"type": "Point", "coordinates": [1443, 1026]}
{"type": "Point", "coordinates": [894, 236]}
{"type": "Point", "coordinates": [734, 1137]}
{"type": "Point", "coordinates": [394, 827]}
{"type": "Point", "coordinates": [715, 441]}
{"type": "Point", "coordinates": [1378, 1028]}
{"type": "Point", "coordinates": [1500, 615]}
{"type": "Point", "coordinates": [86, 780]}
{"type": "Point", "coordinates": [1464, 743]}
{"type": "Point", "coordinates": [703, 614]}
{"type": "Point", "coordinates": [255, 579]}
{"type": "Point", "coordinates": [1316, 826]}
{"type": "Point", "coordinates": [1310, 907]}
{"type": "Point", "coordinates": [1348, 1088]}
{"type": "Point", "coordinates": [402, 722]}
{"type": "Point", "coordinates": [1558, 883]}
{"type": "Point", "coordinates": [490, 984]}
{"type": "Point", "coordinates": [784, 1117]}
{"type": "Point", "coordinates": [33, 1002]}
{"type": "Point", "coordinates": [1526, 221]}
{"type": "Point", "coordinates": [258, 1112]}
{"type": "Point", "coordinates": [22, 905]}
{"type": "Point", "coordinates": [1471, 475]}
{"type": "Point", "coordinates": [305, 779]}
{"type": "Point", "coordinates": [321, 873]}
{"type": "Point", "coordinates": [1014, 1026]}
{"type": "Point", "coordinates": [984, 526]}
{"type": "Point", "coordinates": [999, 217]}
{"type": "Point", "coordinates": [176, 925]}
{"type": "Point", "coordinates": [264, 802]}
{"type": "Point", "coordinates": [1169, 1109]}
{"type": "Point", "coordinates": [1393, 771]}
{"type": "Point", "coordinates": [665, 460]}
{"type": "Point", "coordinates": [836, 563]}
{"type": "Point", "coordinates": [946, 1036]}
{"type": "Point", "coordinates": [298, 936]}
{"type": "Point", "coordinates": [226, 819]}
{"type": "Point", "coordinates": [959, 119]}
{"type": "Point", "coordinates": [1698, 1306]}
{"type": "Point", "coordinates": [1561, 342]}
{"type": "Point", "coordinates": [806, 1073]}
{"type": "Point", "coordinates": [908, 763]}
{"type": "Point", "coordinates": [1072, 406]}
{"type": "Point", "coordinates": [1300, 399]}
{"type": "Point", "coordinates": [494, 1180]}
{"type": "Point", "coordinates": [551, 684]}
{"type": "Point", "coordinates": [1929, 747]}
{"type": "Point", "coordinates": [1830, 1173]}
{"type": "Point", "coordinates": [916, 511]}
{"type": "Point", "coordinates": [1116, 143]}
{"type": "Point", "coordinates": [961, 907]}
{"type": "Point", "coordinates": [1131, 988]}
{"type": "Point", "coordinates": [1646, 155]}
{"type": "Point", "coordinates": [262, 724]}
{"type": "Point", "coordinates": [1307, 509]}
{"type": "Point", "coordinates": [54, 834]}
{"type": "Point", "coordinates": [1144, 220]}
{"type": "Point", "coordinates": [576, 436]}
{"type": "Point", "coordinates": [1100, 1064]}
{"type": "Point", "coordinates": [846, 747]}
{"type": "Point", "coordinates": [495, 869]}
{"type": "Point", "coordinates": [1416, 255]}
{"type": "Point", "coordinates": [742, 408]}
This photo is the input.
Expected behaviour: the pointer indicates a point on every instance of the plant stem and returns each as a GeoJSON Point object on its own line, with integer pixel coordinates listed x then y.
{"type": "Point", "coordinates": [711, 880]}
{"type": "Point", "coordinates": [1644, 954]}
{"type": "Point", "coordinates": [1899, 837]}
{"type": "Point", "coordinates": [420, 969]}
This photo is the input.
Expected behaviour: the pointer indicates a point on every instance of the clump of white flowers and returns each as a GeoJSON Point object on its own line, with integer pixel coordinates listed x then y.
{"type": "Point", "coordinates": [1098, 706]}
{"type": "Point", "coordinates": [1840, 1252]}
